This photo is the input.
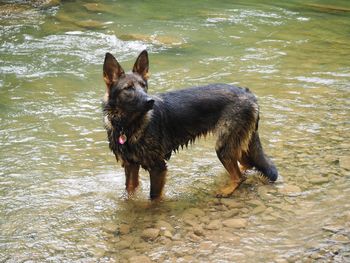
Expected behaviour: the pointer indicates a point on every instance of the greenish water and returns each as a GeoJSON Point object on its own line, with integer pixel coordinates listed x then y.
{"type": "Point", "coordinates": [61, 192]}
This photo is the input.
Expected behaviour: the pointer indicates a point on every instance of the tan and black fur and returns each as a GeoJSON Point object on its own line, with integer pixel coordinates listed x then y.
{"type": "Point", "coordinates": [144, 130]}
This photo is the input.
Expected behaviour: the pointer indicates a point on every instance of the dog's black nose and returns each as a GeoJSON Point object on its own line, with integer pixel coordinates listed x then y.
{"type": "Point", "coordinates": [149, 103]}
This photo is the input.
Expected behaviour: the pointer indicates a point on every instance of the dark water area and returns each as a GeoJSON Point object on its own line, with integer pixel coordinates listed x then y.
{"type": "Point", "coordinates": [62, 194]}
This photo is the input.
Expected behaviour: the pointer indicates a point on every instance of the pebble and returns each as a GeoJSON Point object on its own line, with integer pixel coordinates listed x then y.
{"type": "Point", "coordinates": [124, 229]}
{"type": "Point", "coordinates": [123, 244]}
{"type": "Point", "coordinates": [139, 259]}
{"type": "Point", "coordinates": [344, 162]}
{"type": "Point", "coordinates": [259, 209]}
{"type": "Point", "coordinates": [163, 224]}
{"type": "Point", "coordinates": [206, 247]}
{"type": "Point", "coordinates": [230, 213]}
{"type": "Point", "coordinates": [196, 212]}
{"type": "Point", "coordinates": [231, 203]}
{"type": "Point", "coordinates": [318, 180]}
{"type": "Point", "coordinates": [198, 230]}
{"type": "Point", "coordinates": [168, 234]}
{"type": "Point", "coordinates": [289, 189]}
{"type": "Point", "coordinates": [110, 227]}
{"type": "Point", "coordinates": [150, 233]}
{"type": "Point", "coordinates": [214, 225]}
{"type": "Point", "coordinates": [96, 7]}
{"type": "Point", "coordinates": [235, 223]}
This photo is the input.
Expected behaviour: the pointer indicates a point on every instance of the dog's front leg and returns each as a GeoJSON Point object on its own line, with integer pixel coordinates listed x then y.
{"type": "Point", "coordinates": [131, 177]}
{"type": "Point", "coordinates": [157, 176]}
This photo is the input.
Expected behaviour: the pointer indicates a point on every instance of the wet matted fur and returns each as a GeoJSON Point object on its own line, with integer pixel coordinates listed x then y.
{"type": "Point", "coordinates": [143, 130]}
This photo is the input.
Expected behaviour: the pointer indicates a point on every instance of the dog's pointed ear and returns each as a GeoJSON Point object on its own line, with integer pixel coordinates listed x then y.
{"type": "Point", "coordinates": [112, 71]}
{"type": "Point", "coordinates": [141, 65]}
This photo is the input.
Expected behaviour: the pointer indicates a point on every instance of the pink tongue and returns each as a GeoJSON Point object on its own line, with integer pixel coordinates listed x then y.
{"type": "Point", "coordinates": [122, 139]}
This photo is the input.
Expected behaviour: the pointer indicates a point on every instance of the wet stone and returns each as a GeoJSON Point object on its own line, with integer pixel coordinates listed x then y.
{"type": "Point", "coordinates": [230, 203]}
{"type": "Point", "coordinates": [214, 225]}
{"type": "Point", "coordinates": [333, 228]}
{"type": "Point", "coordinates": [344, 162]}
{"type": "Point", "coordinates": [110, 228]}
{"type": "Point", "coordinates": [126, 243]}
{"type": "Point", "coordinates": [235, 223]}
{"type": "Point", "coordinates": [198, 231]}
{"type": "Point", "coordinates": [259, 209]}
{"type": "Point", "coordinates": [230, 213]}
{"type": "Point", "coordinates": [95, 7]}
{"type": "Point", "coordinates": [318, 180]}
{"type": "Point", "coordinates": [164, 225]}
{"type": "Point", "coordinates": [139, 259]}
{"type": "Point", "coordinates": [206, 247]}
{"type": "Point", "coordinates": [124, 229]}
{"type": "Point", "coordinates": [196, 212]}
{"type": "Point", "coordinates": [289, 189]}
{"type": "Point", "coordinates": [150, 233]}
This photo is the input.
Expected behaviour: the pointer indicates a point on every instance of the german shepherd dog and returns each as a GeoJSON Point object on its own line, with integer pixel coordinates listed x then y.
{"type": "Point", "coordinates": [144, 130]}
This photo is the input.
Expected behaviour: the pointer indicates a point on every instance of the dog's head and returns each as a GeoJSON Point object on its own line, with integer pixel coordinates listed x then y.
{"type": "Point", "coordinates": [126, 93]}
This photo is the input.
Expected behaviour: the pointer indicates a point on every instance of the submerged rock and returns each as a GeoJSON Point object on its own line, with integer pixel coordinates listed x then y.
{"type": "Point", "coordinates": [96, 7]}
{"type": "Point", "coordinates": [318, 180]}
{"type": "Point", "coordinates": [139, 259]}
{"type": "Point", "coordinates": [150, 233]}
{"type": "Point", "coordinates": [230, 203]}
{"type": "Point", "coordinates": [344, 162]}
{"type": "Point", "coordinates": [289, 189]}
{"type": "Point", "coordinates": [164, 225]}
{"type": "Point", "coordinates": [235, 223]}
{"type": "Point", "coordinates": [214, 225]}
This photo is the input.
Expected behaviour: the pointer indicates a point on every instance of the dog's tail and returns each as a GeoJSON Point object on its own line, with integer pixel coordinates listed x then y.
{"type": "Point", "coordinates": [255, 157]}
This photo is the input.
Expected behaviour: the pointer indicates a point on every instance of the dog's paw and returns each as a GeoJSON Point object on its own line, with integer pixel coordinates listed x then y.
{"type": "Point", "coordinates": [227, 191]}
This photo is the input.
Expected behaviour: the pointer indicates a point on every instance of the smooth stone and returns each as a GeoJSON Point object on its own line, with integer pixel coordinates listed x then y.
{"type": "Point", "coordinates": [259, 209]}
{"type": "Point", "coordinates": [124, 229]}
{"type": "Point", "coordinates": [123, 244]}
{"type": "Point", "coordinates": [344, 162]}
{"type": "Point", "coordinates": [319, 180]}
{"type": "Point", "coordinates": [163, 224]}
{"type": "Point", "coordinates": [214, 225]}
{"type": "Point", "coordinates": [206, 247]}
{"type": "Point", "coordinates": [231, 203]}
{"type": "Point", "coordinates": [196, 212]}
{"type": "Point", "coordinates": [150, 233]}
{"type": "Point", "coordinates": [168, 234]}
{"type": "Point", "coordinates": [95, 7]}
{"type": "Point", "coordinates": [139, 259]}
{"type": "Point", "coordinates": [230, 213]}
{"type": "Point", "coordinates": [333, 228]}
{"type": "Point", "coordinates": [235, 223]}
{"type": "Point", "coordinates": [110, 227]}
{"type": "Point", "coordinates": [198, 230]}
{"type": "Point", "coordinates": [255, 202]}
{"type": "Point", "coordinates": [289, 189]}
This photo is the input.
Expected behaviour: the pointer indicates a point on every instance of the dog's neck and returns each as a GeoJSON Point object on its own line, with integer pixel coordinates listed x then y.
{"type": "Point", "coordinates": [132, 129]}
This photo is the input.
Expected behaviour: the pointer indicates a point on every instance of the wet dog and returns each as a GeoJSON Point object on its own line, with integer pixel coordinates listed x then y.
{"type": "Point", "coordinates": [144, 130]}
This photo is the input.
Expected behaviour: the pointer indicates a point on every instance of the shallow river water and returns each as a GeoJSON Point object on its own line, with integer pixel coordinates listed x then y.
{"type": "Point", "coordinates": [62, 193]}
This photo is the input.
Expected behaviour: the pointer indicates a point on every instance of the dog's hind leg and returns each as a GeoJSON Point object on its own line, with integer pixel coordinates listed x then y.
{"type": "Point", "coordinates": [228, 158]}
{"type": "Point", "coordinates": [131, 177]}
{"type": "Point", "coordinates": [157, 176]}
